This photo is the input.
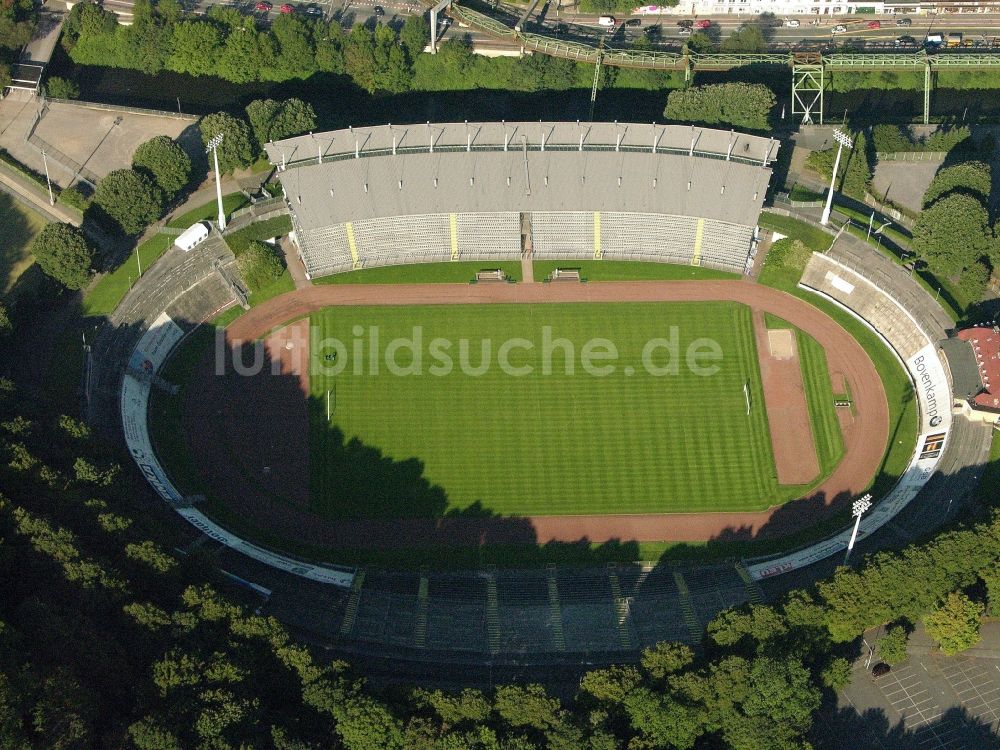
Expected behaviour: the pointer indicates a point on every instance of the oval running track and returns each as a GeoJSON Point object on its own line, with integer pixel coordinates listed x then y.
{"type": "Point", "coordinates": [865, 438]}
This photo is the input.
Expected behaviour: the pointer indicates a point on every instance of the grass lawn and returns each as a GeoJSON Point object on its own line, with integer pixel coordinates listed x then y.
{"type": "Point", "coordinates": [20, 226]}
{"type": "Point", "coordinates": [898, 389]}
{"type": "Point", "coordinates": [813, 238]}
{"type": "Point", "coordinates": [231, 202]}
{"type": "Point", "coordinates": [827, 437]}
{"type": "Point", "coordinates": [459, 272]}
{"type": "Point", "coordinates": [104, 296]}
{"type": "Point", "coordinates": [555, 443]}
{"type": "Point", "coordinates": [621, 270]}
{"type": "Point", "coordinates": [802, 194]}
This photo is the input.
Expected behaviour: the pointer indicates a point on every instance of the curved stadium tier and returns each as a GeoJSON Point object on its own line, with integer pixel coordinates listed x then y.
{"type": "Point", "coordinates": [389, 195]}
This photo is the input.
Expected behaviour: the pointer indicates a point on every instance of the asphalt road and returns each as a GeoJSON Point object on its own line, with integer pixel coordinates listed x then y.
{"type": "Point", "coordinates": [551, 19]}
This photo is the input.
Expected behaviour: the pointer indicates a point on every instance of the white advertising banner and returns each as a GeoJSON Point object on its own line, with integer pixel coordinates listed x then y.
{"type": "Point", "coordinates": [147, 359]}
{"type": "Point", "coordinates": [933, 394]}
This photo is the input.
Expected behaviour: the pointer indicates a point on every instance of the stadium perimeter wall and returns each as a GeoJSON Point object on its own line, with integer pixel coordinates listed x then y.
{"type": "Point", "coordinates": [150, 354]}
{"type": "Point", "coordinates": [917, 352]}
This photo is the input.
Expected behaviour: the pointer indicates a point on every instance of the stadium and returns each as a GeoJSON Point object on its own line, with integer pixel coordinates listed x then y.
{"type": "Point", "coordinates": [503, 505]}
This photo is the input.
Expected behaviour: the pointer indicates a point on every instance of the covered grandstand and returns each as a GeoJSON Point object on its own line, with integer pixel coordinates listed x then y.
{"type": "Point", "coordinates": [367, 197]}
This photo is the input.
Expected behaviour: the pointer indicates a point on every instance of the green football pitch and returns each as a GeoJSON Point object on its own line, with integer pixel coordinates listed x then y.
{"type": "Point", "coordinates": [546, 442]}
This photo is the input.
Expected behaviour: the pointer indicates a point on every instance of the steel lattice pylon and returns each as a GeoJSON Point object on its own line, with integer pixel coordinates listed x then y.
{"type": "Point", "coordinates": [807, 88]}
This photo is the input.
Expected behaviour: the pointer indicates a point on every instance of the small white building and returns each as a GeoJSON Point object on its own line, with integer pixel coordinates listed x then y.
{"type": "Point", "coordinates": [193, 236]}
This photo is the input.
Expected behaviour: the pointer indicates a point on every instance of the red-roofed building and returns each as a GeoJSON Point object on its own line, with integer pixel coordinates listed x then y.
{"type": "Point", "coordinates": [985, 343]}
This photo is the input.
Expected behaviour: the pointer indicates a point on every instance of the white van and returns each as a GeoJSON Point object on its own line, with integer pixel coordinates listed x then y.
{"type": "Point", "coordinates": [606, 21]}
{"type": "Point", "coordinates": [934, 39]}
{"type": "Point", "coordinates": [193, 236]}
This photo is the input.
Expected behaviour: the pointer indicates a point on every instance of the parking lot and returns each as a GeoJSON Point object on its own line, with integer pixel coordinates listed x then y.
{"type": "Point", "coordinates": [930, 702]}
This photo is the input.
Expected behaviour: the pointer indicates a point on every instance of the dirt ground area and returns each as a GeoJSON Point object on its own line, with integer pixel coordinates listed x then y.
{"type": "Point", "coordinates": [100, 140]}
{"type": "Point", "coordinates": [795, 457]}
{"type": "Point", "coordinates": [253, 423]}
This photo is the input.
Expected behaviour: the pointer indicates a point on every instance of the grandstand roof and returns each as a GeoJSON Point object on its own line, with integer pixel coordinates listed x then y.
{"type": "Point", "coordinates": [533, 135]}
{"type": "Point", "coordinates": [491, 181]}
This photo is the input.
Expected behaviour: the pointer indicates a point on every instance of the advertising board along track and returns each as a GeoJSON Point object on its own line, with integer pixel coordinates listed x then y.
{"type": "Point", "coordinates": [146, 360]}
{"type": "Point", "coordinates": [917, 352]}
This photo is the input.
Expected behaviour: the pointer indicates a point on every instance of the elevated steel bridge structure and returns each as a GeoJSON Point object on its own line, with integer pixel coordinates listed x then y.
{"type": "Point", "coordinates": [810, 70]}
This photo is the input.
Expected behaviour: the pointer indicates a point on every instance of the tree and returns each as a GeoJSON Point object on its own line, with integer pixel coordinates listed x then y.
{"type": "Point", "coordinates": [273, 120]}
{"type": "Point", "coordinates": [526, 706]}
{"type": "Point", "coordinates": [165, 162]}
{"type": "Point", "coordinates": [666, 658]}
{"type": "Point", "coordinates": [954, 623]}
{"type": "Point", "coordinates": [747, 38]}
{"type": "Point", "coordinates": [892, 645]}
{"type": "Point", "coordinates": [295, 54]}
{"type": "Point", "coordinates": [415, 35]}
{"type": "Point", "coordinates": [991, 578]}
{"type": "Point", "coordinates": [971, 178]}
{"type": "Point", "coordinates": [259, 265]}
{"type": "Point", "coordinates": [130, 199]}
{"type": "Point", "coordinates": [699, 41]}
{"type": "Point", "coordinates": [5, 327]}
{"type": "Point", "coordinates": [392, 70]}
{"type": "Point", "coordinates": [237, 149]}
{"type": "Point", "coordinates": [197, 47]}
{"type": "Point", "coordinates": [741, 105]}
{"type": "Point", "coordinates": [61, 88]}
{"type": "Point", "coordinates": [359, 57]}
{"type": "Point", "coordinates": [240, 59]}
{"type": "Point", "coordinates": [63, 253]}
{"type": "Point", "coordinates": [952, 234]}
{"type": "Point", "coordinates": [854, 175]}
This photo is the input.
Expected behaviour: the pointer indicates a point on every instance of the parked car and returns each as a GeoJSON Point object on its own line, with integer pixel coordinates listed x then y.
{"type": "Point", "coordinates": [684, 31]}
{"type": "Point", "coordinates": [379, 11]}
{"type": "Point", "coordinates": [792, 23]}
{"type": "Point", "coordinates": [263, 7]}
{"type": "Point", "coordinates": [313, 10]}
{"type": "Point", "coordinates": [874, 24]}
{"type": "Point", "coordinates": [905, 41]}
{"type": "Point", "coordinates": [839, 29]}
{"type": "Point", "coordinates": [904, 22]}
{"type": "Point", "coordinates": [685, 23]}
{"type": "Point", "coordinates": [286, 8]}
{"type": "Point", "coordinates": [880, 670]}
{"type": "Point", "coordinates": [702, 24]}
{"type": "Point", "coordinates": [634, 22]}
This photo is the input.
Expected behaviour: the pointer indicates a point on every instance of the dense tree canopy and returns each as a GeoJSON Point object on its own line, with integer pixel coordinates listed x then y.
{"type": "Point", "coordinates": [854, 175]}
{"type": "Point", "coordinates": [952, 234]}
{"type": "Point", "coordinates": [954, 623]}
{"type": "Point", "coordinates": [273, 120]}
{"type": "Point", "coordinates": [970, 177]}
{"type": "Point", "coordinates": [237, 149]}
{"type": "Point", "coordinates": [63, 253]}
{"type": "Point", "coordinates": [162, 159]}
{"type": "Point", "coordinates": [259, 265]}
{"type": "Point", "coordinates": [130, 199]}
{"type": "Point", "coordinates": [740, 105]}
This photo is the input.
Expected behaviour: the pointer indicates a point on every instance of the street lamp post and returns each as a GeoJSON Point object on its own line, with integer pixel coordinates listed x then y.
{"type": "Point", "coordinates": [213, 146]}
{"type": "Point", "coordinates": [48, 181]}
{"type": "Point", "coordinates": [843, 140]}
{"type": "Point", "coordinates": [857, 510]}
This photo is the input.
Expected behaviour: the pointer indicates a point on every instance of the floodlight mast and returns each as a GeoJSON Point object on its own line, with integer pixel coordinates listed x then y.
{"type": "Point", "coordinates": [213, 146]}
{"type": "Point", "coordinates": [857, 510]}
{"type": "Point", "coordinates": [842, 140]}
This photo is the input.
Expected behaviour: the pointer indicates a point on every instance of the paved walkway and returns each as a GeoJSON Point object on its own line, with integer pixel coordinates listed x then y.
{"type": "Point", "coordinates": [527, 270]}
{"type": "Point", "coordinates": [294, 264]}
